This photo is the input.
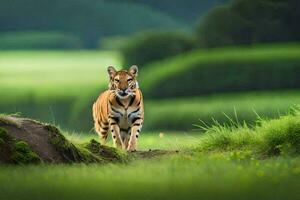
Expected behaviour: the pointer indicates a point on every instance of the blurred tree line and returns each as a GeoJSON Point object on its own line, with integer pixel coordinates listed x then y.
{"type": "Point", "coordinates": [184, 10]}
{"type": "Point", "coordinates": [238, 23]}
{"type": "Point", "coordinates": [88, 20]}
{"type": "Point", "coordinates": [82, 23]}
{"type": "Point", "coordinates": [247, 22]}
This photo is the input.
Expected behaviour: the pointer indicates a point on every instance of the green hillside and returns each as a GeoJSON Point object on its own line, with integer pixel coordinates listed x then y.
{"type": "Point", "coordinates": [258, 67]}
{"type": "Point", "coordinates": [90, 20]}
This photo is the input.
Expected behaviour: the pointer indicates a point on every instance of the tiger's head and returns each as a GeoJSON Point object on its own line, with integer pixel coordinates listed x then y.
{"type": "Point", "coordinates": [123, 82]}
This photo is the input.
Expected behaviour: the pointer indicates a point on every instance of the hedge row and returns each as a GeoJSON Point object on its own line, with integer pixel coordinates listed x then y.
{"type": "Point", "coordinates": [150, 46]}
{"type": "Point", "coordinates": [224, 70]}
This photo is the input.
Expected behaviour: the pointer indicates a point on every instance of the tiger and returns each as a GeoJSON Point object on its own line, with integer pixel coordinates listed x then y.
{"type": "Point", "coordinates": [120, 109]}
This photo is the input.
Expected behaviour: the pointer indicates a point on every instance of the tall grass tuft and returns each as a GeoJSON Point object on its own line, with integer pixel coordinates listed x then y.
{"type": "Point", "coordinates": [267, 137]}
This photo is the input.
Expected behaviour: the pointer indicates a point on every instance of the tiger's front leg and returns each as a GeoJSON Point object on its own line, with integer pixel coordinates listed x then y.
{"type": "Point", "coordinates": [115, 132]}
{"type": "Point", "coordinates": [135, 130]}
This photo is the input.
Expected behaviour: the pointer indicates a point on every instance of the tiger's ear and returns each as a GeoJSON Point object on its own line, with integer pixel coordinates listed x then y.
{"type": "Point", "coordinates": [111, 72]}
{"type": "Point", "coordinates": [133, 70]}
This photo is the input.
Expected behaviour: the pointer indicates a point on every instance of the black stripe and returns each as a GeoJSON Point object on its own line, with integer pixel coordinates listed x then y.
{"type": "Point", "coordinates": [131, 101]}
{"type": "Point", "coordinates": [103, 132]}
{"type": "Point", "coordinates": [113, 123]}
{"type": "Point", "coordinates": [105, 123]}
{"type": "Point", "coordinates": [116, 111]}
{"type": "Point", "coordinates": [137, 110]}
{"type": "Point", "coordinates": [139, 103]}
{"type": "Point", "coordinates": [116, 119]}
{"type": "Point", "coordinates": [135, 119]}
{"type": "Point", "coordinates": [119, 102]}
{"type": "Point", "coordinates": [136, 124]}
{"type": "Point", "coordinates": [105, 128]}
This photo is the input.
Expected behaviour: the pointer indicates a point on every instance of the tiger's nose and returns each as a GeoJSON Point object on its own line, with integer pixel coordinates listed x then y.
{"type": "Point", "coordinates": [122, 92]}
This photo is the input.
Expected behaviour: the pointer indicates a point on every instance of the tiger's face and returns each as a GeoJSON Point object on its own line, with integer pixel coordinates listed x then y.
{"type": "Point", "coordinates": [123, 82]}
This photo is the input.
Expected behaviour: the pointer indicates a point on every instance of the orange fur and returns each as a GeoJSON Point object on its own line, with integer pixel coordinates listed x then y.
{"type": "Point", "coordinates": [120, 109]}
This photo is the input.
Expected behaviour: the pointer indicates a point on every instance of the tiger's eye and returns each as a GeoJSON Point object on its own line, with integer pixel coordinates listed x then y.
{"type": "Point", "coordinates": [129, 80]}
{"type": "Point", "coordinates": [117, 81]}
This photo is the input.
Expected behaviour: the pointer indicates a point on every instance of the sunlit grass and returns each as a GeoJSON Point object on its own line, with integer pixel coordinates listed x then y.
{"type": "Point", "coordinates": [52, 73]}
{"type": "Point", "coordinates": [221, 163]}
{"type": "Point", "coordinates": [149, 140]}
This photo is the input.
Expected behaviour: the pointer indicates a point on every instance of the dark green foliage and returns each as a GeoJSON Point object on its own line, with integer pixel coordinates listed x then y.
{"type": "Point", "coordinates": [38, 40]}
{"type": "Point", "coordinates": [3, 136]}
{"type": "Point", "coordinates": [13, 151]}
{"type": "Point", "coordinates": [246, 22]}
{"type": "Point", "coordinates": [223, 27]}
{"type": "Point", "coordinates": [186, 10]}
{"type": "Point", "coordinates": [3, 133]}
{"type": "Point", "coordinates": [151, 46]}
{"type": "Point", "coordinates": [89, 20]}
{"type": "Point", "coordinates": [206, 72]}
{"type": "Point", "coordinates": [22, 154]}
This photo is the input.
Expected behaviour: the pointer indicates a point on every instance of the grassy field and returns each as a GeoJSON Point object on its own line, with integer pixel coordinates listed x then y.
{"type": "Point", "coordinates": [227, 162]}
{"type": "Point", "coordinates": [239, 107]}
{"type": "Point", "coordinates": [60, 87]}
{"type": "Point", "coordinates": [169, 140]}
{"type": "Point", "coordinates": [45, 74]}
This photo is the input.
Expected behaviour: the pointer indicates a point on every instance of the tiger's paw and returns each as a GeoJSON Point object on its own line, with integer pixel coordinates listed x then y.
{"type": "Point", "coordinates": [131, 149]}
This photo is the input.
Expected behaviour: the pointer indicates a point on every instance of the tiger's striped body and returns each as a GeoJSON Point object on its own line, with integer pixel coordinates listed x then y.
{"type": "Point", "coordinates": [120, 114]}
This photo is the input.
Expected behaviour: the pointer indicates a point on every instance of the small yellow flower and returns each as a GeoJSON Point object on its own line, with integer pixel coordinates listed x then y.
{"type": "Point", "coordinates": [161, 135]}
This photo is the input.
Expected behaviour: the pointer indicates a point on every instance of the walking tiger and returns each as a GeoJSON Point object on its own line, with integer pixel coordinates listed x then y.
{"type": "Point", "coordinates": [120, 109]}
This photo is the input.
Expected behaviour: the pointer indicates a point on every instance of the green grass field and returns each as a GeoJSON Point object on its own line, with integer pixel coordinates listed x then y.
{"type": "Point", "coordinates": [149, 140]}
{"type": "Point", "coordinates": [233, 161]}
{"type": "Point", "coordinates": [60, 87]}
{"type": "Point", "coordinates": [46, 74]}
{"type": "Point", "coordinates": [230, 162]}
{"type": "Point", "coordinates": [240, 107]}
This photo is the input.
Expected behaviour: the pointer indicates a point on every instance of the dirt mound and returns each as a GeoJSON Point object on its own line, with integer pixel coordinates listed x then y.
{"type": "Point", "coordinates": [24, 140]}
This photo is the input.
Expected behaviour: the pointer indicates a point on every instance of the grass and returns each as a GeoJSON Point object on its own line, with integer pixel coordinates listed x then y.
{"type": "Point", "coordinates": [45, 74]}
{"type": "Point", "coordinates": [149, 140]}
{"type": "Point", "coordinates": [60, 86]}
{"type": "Point", "coordinates": [182, 113]}
{"type": "Point", "coordinates": [225, 162]}
{"type": "Point", "coordinates": [165, 178]}
{"type": "Point", "coordinates": [267, 138]}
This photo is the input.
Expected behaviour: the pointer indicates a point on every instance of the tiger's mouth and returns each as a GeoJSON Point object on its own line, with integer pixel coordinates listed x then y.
{"type": "Point", "coordinates": [124, 94]}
